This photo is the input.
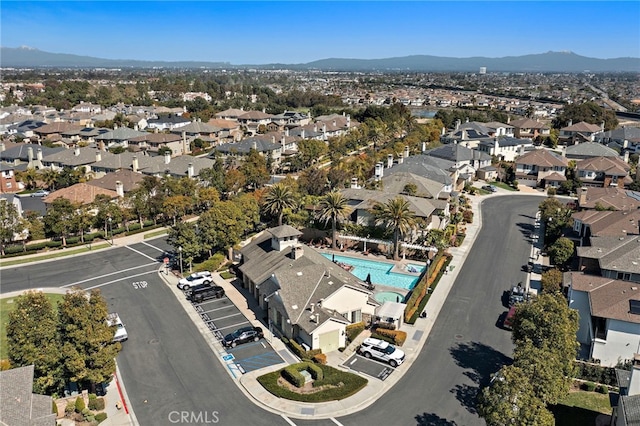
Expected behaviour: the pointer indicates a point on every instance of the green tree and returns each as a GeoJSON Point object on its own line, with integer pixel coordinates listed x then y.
{"type": "Point", "coordinates": [551, 281]}
{"type": "Point", "coordinates": [561, 251]}
{"type": "Point", "coordinates": [35, 225]}
{"type": "Point", "coordinates": [334, 207]}
{"type": "Point", "coordinates": [59, 218]}
{"type": "Point", "coordinates": [10, 223]}
{"type": "Point", "coordinates": [510, 401]}
{"type": "Point", "coordinates": [82, 220]}
{"type": "Point", "coordinates": [277, 199]}
{"type": "Point", "coordinates": [310, 151]}
{"type": "Point", "coordinates": [88, 350]}
{"type": "Point", "coordinates": [397, 216]}
{"type": "Point", "coordinates": [183, 234]}
{"type": "Point", "coordinates": [589, 112]}
{"type": "Point", "coordinates": [176, 206]}
{"type": "Point", "coordinates": [254, 169]}
{"type": "Point", "coordinates": [313, 181]}
{"type": "Point", "coordinates": [32, 338]}
{"type": "Point", "coordinates": [50, 177]}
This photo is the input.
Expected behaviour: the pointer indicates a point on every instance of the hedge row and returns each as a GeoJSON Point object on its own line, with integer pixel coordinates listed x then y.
{"type": "Point", "coordinates": [421, 289]}
{"type": "Point", "coordinates": [354, 330]}
{"type": "Point", "coordinates": [398, 336]}
{"type": "Point", "coordinates": [425, 299]}
{"type": "Point", "coordinates": [596, 373]}
{"type": "Point", "coordinates": [293, 373]}
{"type": "Point", "coordinates": [299, 350]}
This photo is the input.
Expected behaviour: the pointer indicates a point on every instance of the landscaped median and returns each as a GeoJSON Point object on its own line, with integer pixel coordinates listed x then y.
{"type": "Point", "coordinates": [325, 384]}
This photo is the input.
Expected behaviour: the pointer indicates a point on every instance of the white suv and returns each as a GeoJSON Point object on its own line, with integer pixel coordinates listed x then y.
{"type": "Point", "coordinates": [381, 350]}
{"type": "Point", "coordinates": [194, 279]}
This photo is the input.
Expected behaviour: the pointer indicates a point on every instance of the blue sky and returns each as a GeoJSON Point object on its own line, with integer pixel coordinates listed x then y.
{"type": "Point", "coordinates": [245, 32]}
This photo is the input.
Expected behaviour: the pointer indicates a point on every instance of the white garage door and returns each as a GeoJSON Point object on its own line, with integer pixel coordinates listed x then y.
{"type": "Point", "coordinates": [329, 341]}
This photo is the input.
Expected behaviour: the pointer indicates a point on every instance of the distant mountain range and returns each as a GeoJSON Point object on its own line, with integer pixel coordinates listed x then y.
{"type": "Point", "coordinates": [26, 57]}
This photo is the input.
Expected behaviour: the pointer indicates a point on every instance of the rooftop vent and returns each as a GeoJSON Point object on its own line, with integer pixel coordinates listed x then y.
{"type": "Point", "coordinates": [299, 273]}
{"type": "Point", "coordinates": [294, 306]}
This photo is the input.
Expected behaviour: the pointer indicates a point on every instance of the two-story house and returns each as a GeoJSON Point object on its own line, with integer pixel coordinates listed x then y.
{"type": "Point", "coordinates": [505, 148]}
{"type": "Point", "coordinates": [608, 197]}
{"type": "Point", "coordinates": [528, 128]}
{"type": "Point", "coordinates": [541, 168]}
{"type": "Point", "coordinates": [604, 171]}
{"type": "Point", "coordinates": [307, 297]}
{"type": "Point", "coordinates": [579, 132]}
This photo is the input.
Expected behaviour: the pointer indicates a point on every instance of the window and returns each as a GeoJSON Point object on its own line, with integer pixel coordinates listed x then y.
{"type": "Point", "coordinates": [599, 327]}
{"type": "Point", "coordinates": [356, 316]}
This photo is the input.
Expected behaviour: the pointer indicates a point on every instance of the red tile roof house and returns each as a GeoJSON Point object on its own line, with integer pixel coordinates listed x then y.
{"type": "Point", "coordinates": [528, 128]}
{"type": "Point", "coordinates": [541, 168]}
{"type": "Point", "coordinates": [609, 197]}
{"type": "Point", "coordinates": [604, 171]}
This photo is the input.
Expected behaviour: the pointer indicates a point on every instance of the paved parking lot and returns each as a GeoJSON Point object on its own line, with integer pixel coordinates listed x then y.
{"type": "Point", "coordinates": [223, 317]}
{"type": "Point", "coordinates": [370, 367]}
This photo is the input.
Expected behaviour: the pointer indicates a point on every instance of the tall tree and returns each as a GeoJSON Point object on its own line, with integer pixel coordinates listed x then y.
{"type": "Point", "coordinates": [32, 338]}
{"type": "Point", "coordinates": [176, 206]}
{"type": "Point", "coordinates": [334, 207]}
{"type": "Point", "coordinates": [395, 215]}
{"type": "Point", "coordinates": [561, 251]}
{"type": "Point", "coordinates": [88, 349]}
{"type": "Point", "coordinates": [254, 168]}
{"type": "Point", "coordinates": [277, 199]}
{"type": "Point", "coordinates": [10, 223]}
{"type": "Point", "coordinates": [184, 235]}
{"type": "Point", "coordinates": [59, 218]}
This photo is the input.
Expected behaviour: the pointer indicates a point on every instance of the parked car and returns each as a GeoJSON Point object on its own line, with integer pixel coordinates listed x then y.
{"type": "Point", "coordinates": [490, 188]}
{"type": "Point", "coordinates": [40, 193]}
{"type": "Point", "coordinates": [194, 279]}
{"type": "Point", "coordinates": [508, 320]}
{"type": "Point", "coordinates": [518, 295]}
{"type": "Point", "coordinates": [381, 350]}
{"type": "Point", "coordinates": [120, 332]}
{"type": "Point", "coordinates": [203, 292]}
{"type": "Point", "coordinates": [242, 335]}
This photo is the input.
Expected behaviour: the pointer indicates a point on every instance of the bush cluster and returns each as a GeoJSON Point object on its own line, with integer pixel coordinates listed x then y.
{"type": "Point", "coordinates": [95, 403]}
{"type": "Point", "coordinates": [101, 417]}
{"type": "Point", "coordinates": [79, 405]}
{"type": "Point", "coordinates": [292, 375]}
{"type": "Point", "coordinates": [596, 373]}
{"type": "Point", "coordinates": [354, 330]}
{"type": "Point", "coordinates": [420, 294]}
{"type": "Point", "coordinates": [588, 386]}
{"type": "Point", "coordinates": [398, 337]}
{"type": "Point", "coordinates": [320, 359]}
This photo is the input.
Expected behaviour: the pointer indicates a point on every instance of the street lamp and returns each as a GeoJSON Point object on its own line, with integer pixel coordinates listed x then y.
{"type": "Point", "coordinates": [180, 252]}
{"type": "Point", "coordinates": [111, 229]}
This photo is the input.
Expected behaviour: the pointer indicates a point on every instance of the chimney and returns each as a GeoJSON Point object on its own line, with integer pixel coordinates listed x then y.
{"type": "Point", "coordinates": [582, 196]}
{"type": "Point", "coordinates": [286, 132]}
{"type": "Point", "coordinates": [570, 123]}
{"type": "Point", "coordinates": [625, 144]}
{"type": "Point", "coordinates": [406, 151]}
{"type": "Point", "coordinates": [424, 146]}
{"type": "Point", "coordinates": [297, 252]}
{"type": "Point", "coordinates": [134, 164]}
{"type": "Point", "coordinates": [155, 130]}
{"type": "Point", "coordinates": [508, 119]}
{"type": "Point", "coordinates": [602, 126]}
{"type": "Point", "coordinates": [273, 140]}
{"type": "Point", "coordinates": [254, 145]}
{"type": "Point", "coordinates": [400, 159]}
{"type": "Point", "coordinates": [378, 171]}
{"type": "Point", "coordinates": [457, 124]}
{"type": "Point", "coordinates": [30, 154]}
{"type": "Point", "coordinates": [443, 131]}
{"type": "Point", "coordinates": [348, 121]}
{"type": "Point", "coordinates": [98, 156]}
{"type": "Point", "coordinates": [2, 147]}
{"type": "Point", "coordinates": [119, 189]}
{"type": "Point", "coordinates": [354, 183]}
{"type": "Point", "coordinates": [312, 307]}
{"type": "Point", "coordinates": [496, 146]}
{"type": "Point", "coordinates": [334, 123]}
{"type": "Point", "coordinates": [264, 111]}
{"type": "Point", "coordinates": [389, 161]}
{"type": "Point", "coordinates": [76, 152]}
{"type": "Point", "coordinates": [38, 153]}
{"type": "Point", "coordinates": [315, 128]}
{"type": "Point", "coordinates": [302, 134]}
{"type": "Point", "coordinates": [466, 120]}
{"type": "Point", "coordinates": [190, 172]}
{"type": "Point", "coordinates": [626, 157]}
{"type": "Point", "coordinates": [136, 128]}
{"type": "Point", "coordinates": [167, 158]}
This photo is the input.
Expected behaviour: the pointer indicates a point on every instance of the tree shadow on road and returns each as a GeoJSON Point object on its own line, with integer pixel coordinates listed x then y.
{"type": "Point", "coordinates": [431, 419]}
{"type": "Point", "coordinates": [480, 362]}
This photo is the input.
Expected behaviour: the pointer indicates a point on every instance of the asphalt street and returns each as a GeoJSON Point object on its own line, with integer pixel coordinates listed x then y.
{"type": "Point", "coordinates": [168, 368]}
{"type": "Point", "coordinates": [465, 345]}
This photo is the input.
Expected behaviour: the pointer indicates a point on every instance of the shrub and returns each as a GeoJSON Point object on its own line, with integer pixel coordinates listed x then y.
{"type": "Point", "coordinates": [397, 336]}
{"type": "Point", "coordinates": [211, 264]}
{"type": "Point", "coordinates": [89, 418]}
{"type": "Point", "coordinates": [293, 376]}
{"type": "Point", "coordinates": [70, 408]}
{"type": "Point", "coordinates": [79, 405]}
{"type": "Point", "coordinates": [603, 389]}
{"type": "Point", "coordinates": [320, 359]}
{"type": "Point", "coordinates": [297, 349]}
{"type": "Point", "coordinates": [96, 404]}
{"type": "Point", "coordinates": [353, 330]}
{"type": "Point", "coordinates": [86, 412]}
{"type": "Point", "coordinates": [386, 325]}
{"type": "Point", "coordinates": [315, 371]}
{"type": "Point", "coordinates": [54, 407]}
{"type": "Point", "coordinates": [421, 292]}
{"type": "Point", "coordinates": [589, 386]}
{"type": "Point", "coordinates": [101, 417]}
{"type": "Point", "coordinates": [467, 216]}
{"type": "Point", "coordinates": [313, 352]}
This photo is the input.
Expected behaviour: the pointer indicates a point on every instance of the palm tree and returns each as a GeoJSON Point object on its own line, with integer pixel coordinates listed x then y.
{"type": "Point", "coordinates": [50, 176]}
{"type": "Point", "coordinates": [277, 199]}
{"type": "Point", "coordinates": [395, 214]}
{"type": "Point", "coordinates": [334, 207]}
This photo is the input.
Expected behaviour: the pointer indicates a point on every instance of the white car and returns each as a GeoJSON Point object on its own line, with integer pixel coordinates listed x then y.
{"type": "Point", "coordinates": [120, 334]}
{"type": "Point", "coordinates": [40, 193]}
{"type": "Point", "coordinates": [381, 350]}
{"type": "Point", "coordinates": [194, 279]}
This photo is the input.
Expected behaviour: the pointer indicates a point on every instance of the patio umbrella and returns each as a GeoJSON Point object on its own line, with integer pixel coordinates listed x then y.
{"type": "Point", "coordinates": [368, 280]}
{"type": "Point", "coordinates": [333, 258]}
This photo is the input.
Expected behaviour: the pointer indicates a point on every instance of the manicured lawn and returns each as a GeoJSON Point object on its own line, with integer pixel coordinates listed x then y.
{"type": "Point", "coordinates": [581, 408]}
{"type": "Point", "coordinates": [56, 254]}
{"type": "Point", "coordinates": [346, 384]}
{"type": "Point", "coordinates": [6, 306]}
{"type": "Point", "coordinates": [503, 186]}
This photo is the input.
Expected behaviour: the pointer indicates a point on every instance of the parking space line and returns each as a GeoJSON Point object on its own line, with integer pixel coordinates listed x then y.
{"type": "Point", "coordinates": [211, 301]}
{"type": "Point", "coordinates": [376, 361]}
{"type": "Point", "coordinates": [233, 325]}
{"type": "Point", "coordinates": [217, 309]}
{"type": "Point", "coordinates": [335, 421]}
{"type": "Point", "coordinates": [141, 253]}
{"type": "Point", "coordinates": [246, 345]}
{"type": "Point", "coordinates": [228, 316]}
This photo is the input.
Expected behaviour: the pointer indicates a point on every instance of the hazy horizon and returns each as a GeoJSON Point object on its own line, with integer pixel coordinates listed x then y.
{"type": "Point", "coordinates": [291, 32]}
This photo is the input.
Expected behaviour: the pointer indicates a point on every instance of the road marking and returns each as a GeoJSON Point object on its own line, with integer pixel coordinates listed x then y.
{"type": "Point", "coordinates": [121, 279]}
{"type": "Point", "coordinates": [217, 309]}
{"type": "Point", "coordinates": [140, 253]}
{"type": "Point", "coordinates": [233, 325]}
{"type": "Point", "coordinates": [335, 421]}
{"type": "Point", "coordinates": [154, 247]}
{"type": "Point", "coordinates": [107, 275]}
{"type": "Point", "coordinates": [263, 345]}
{"type": "Point", "coordinates": [228, 316]}
{"type": "Point", "coordinates": [287, 419]}
{"type": "Point", "coordinates": [353, 362]}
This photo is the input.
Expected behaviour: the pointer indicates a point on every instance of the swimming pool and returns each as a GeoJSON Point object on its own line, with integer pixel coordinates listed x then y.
{"type": "Point", "coordinates": [389, 296]}
{"type": "Point", "coordinates": [380, 271]}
